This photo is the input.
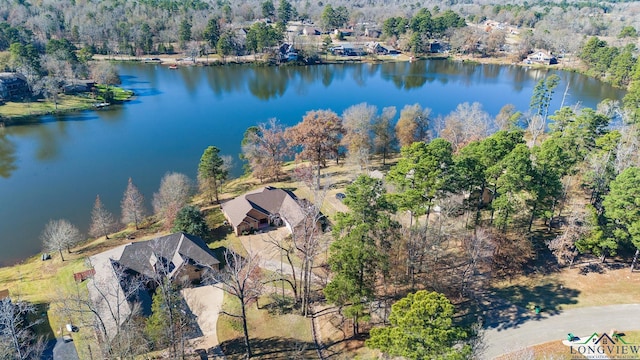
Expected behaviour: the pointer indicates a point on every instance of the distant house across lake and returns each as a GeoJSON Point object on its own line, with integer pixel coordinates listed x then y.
{"type": "Point", "coordinates": [541, 57]}
{"type": "Point", "coordinates": [13, 86]}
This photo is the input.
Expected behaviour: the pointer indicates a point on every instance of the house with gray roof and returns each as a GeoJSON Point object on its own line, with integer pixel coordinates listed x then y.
{"type": "Point", "coordinates": [13, 86]}
{"type": "Point", "coordinates": [259, 209]}
{"type": "Point", "coordinates": [179, 257]}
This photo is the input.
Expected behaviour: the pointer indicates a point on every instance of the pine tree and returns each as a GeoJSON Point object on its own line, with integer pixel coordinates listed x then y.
{"type": "Point", "coordinates": [132, 205]}
{"type": "Point", "coordinates": [102, 221]}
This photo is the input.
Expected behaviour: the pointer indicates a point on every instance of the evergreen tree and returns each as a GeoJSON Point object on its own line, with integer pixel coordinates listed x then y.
{"type": "Point", "coordinates": [268, 9]}
{"type": "Point", "coordinates": [212, 172]}
{"type": "Point", "coordinates": [359, 254]}
{"type": "Point", "coordinates": [424, 171]}
{"type": "Point", "coordinates": [285, 11]}
{"type": "Point", "coordinates": [212, 32]}
{"type": "Point", "coordinates": [184, 32]}
{"type": "Point", "coordinates": [421, 327]}
{"type": "Point", "coordinates": [102, 221]}
{"type": "Point", "coordinates": [190, 220]}
{"type": "Point", "coordinates": [542, 95]}
{"type": "Point", "coordinates": [622, 208]}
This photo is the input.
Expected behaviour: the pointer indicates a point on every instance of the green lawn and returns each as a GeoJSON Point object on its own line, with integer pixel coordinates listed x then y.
{"type": "Point", "coordinates": [272, 336]}
{"type": "Point", "coordinates": [26, 110]}
{"type": "Point", "coordinates": [16, 110]}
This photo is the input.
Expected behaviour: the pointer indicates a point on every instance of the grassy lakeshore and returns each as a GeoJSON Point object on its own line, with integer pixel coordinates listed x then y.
{"type": "Point", "coordinates": [13, 112]}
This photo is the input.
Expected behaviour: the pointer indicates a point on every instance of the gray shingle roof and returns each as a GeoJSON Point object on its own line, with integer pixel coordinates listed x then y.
{"type": "Point", "coordinates": [107, 291]}
{"type": "Point", "coordinates": [175, 248]}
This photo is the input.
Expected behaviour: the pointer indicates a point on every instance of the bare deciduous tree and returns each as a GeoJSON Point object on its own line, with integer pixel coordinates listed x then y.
{"type": "Point", "coordinates": [507, 118]}
{"type": "Point", "coordinates": [105, 73]}
{"type": "Point", "coordinates": [175, 190]}
{"type": "Point", "coordinates": [17, 337]}
{"type": "Point", "coordinates": [384, 136]}
{"type": "Point", "coordinates": [477, 251]}
{"type": "Point", "coordinates": [308, 240]}
{"type": "Point", "coordinates": [357, 125]}
{"type": "Point", "coordinates": [627, 153]}
{"type": "Point", "coordinates": [563, 246]}
{"type": "Point", "coordinates": [102, 221]}
{"type": "Point", "coordinates": [287, 250]}
{"type": "Point", "coordinates": [466, 123]}
{"type": "Point", "coordinates": [413, 124]}
{"type": "Point", "coordinates": [59, 235]}
{"type": "Point", "coordinates": [319, 136]}
{"type": "Point", "coordinates": [535, 127]}
{"type": "Point", "coordinates": [132, 205]}
{"type": "Point", "coordinates": [110, 306]}
{"type": "Point", "coordinates": [241, 278]}
{"type": "Point", "coordinates": [266, 149]}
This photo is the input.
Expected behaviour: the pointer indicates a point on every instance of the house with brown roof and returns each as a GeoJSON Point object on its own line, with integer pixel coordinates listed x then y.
{"type": "Point", "coordinates": [259, 209]}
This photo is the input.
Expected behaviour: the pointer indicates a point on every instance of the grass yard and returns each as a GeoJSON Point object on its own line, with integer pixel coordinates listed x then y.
{"type": "Point", "coordinates": [17, 110]}
{"type": "Point", "coordinates": [119, 94]}
{"type": "Point", "coordinates": [29, 111]}
{"type": "Point", "coordinates": [44, 283]}
{"type": "Point", "coordinates": [273, 336]}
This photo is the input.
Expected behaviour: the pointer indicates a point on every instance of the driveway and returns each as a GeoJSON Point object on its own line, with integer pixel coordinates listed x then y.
{"type": "Point", "coordinates": [582, 322]}
{"type": "Point", "coordinates": [269, 254]}
{"type": "Point", "coordinates": [205, 303]}
{"type": "Point", "coordinates": [59, 349]}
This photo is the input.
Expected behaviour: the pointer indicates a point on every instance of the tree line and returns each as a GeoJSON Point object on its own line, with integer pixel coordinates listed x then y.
{"type": "Point", "coordinates": [198, 27]}
{"type": "Point", "coordinates": [611, 63]}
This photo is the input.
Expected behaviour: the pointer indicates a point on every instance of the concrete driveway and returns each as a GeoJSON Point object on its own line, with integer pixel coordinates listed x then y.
{"type": "Point", "coordinates": [205, 303]}
{"type": "Point", "coordinates": [59, 349]}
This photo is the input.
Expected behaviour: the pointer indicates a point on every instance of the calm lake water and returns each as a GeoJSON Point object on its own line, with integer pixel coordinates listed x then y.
{"type": "Point", "coordinates": [55, 169]}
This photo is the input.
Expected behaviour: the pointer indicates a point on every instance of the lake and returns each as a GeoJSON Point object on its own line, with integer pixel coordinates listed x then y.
{"type": "Point", "coordinates": [55, 169]}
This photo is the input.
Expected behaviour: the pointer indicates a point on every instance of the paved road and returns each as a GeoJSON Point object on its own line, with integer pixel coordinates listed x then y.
{"type": "Point", "coordinates": [527, 329]}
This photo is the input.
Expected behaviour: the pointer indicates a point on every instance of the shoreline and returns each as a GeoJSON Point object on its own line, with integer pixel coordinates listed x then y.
{"type": "Point", "coordinates": [253, 60]}
{"type": "Point", "coordinates": [24, 113]}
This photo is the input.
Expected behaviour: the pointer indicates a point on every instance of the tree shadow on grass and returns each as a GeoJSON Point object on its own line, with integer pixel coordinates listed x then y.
{"type": "Point", "coordinates": [270, 348]}
{"type": "Point", "coordinates": [43, 328]}
{"type": "Point", "coordinates": [512, 306]}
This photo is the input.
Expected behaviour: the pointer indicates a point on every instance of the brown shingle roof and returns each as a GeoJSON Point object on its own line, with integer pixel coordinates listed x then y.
{"type": "Point", "coordinates": [268, 200]}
